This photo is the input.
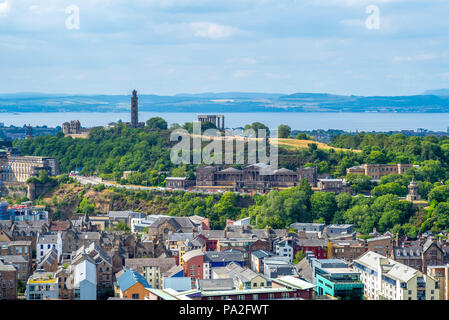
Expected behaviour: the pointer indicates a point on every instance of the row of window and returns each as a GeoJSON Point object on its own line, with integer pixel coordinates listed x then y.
{"type": "Point", "coordinates": [11, 284]}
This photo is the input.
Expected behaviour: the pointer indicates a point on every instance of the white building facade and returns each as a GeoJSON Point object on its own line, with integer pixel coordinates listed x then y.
{"type": "Point", "coordinates": [386, 279]}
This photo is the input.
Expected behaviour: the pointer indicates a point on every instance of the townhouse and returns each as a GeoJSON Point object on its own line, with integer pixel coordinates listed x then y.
{"type": "Point", "coordinates": [386, 279]}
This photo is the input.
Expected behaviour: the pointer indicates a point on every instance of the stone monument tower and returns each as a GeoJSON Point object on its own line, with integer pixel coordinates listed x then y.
{"type": "Point", "coordinates": [413, 194]}
{"type": "Point", "coordinates": [134, 110]}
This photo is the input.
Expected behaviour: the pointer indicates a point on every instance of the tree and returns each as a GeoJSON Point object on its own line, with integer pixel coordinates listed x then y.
{"type": "Point", "coordinates": [122, 227]}
{"type": "Point", "coordinates": [303, 136]}
{"type": "Point", "coordinates": [389, 188]}
{"type": "Point", "coordinates": [441, 216]}
{"type": "Point", "coordinates": [359, 182]}
{"type": "Point", "coordinates": [439, 194]}
{"type": "Point", "coordinates": [323, 205]}
{"type": "Point", "coordinates": [256, 126]}
{"type": "Point", "coordinates": [299, 256]}
{"type": "Point", "coordinates": [157, 123]}
{"type": "Point", "coordinates": [312, 147]}
{"type": "Point", "coordinates": [207, 125]}
{"type": "Point", "coordinates": [376, 157]}
{"type": "Point", "coordinates": [86, 205]}
{"type": "Point", "coordinates": [284, 131]}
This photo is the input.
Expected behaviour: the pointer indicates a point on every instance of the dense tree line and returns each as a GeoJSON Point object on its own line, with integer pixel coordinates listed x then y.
{"type": "Point", "coordinates": [109, 152]}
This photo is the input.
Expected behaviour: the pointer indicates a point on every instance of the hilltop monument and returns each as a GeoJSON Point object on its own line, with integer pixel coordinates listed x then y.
{"type": "Point", "coordinates": [135, 112]}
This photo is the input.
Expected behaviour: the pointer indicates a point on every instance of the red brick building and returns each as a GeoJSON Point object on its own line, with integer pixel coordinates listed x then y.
{"type": "Point", "coordinates": [8, 282]}
{"type": "Point", "coordinates": [194, 265]}
{"type": "Point", "coordinates": [317, 246]}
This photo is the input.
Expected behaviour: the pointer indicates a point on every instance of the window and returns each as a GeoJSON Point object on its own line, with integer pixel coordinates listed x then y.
{"type": "Point", "coordinates": [241, 297]}
{"type": "Point", "coordinates": [135, 296]}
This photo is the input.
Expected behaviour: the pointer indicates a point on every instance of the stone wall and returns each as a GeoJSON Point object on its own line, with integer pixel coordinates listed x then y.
{"type": "Point", "coordinates": [35, 190]}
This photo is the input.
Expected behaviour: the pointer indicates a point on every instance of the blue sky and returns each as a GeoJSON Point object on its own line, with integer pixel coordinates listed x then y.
{"type": "Point", "coordinates": [190, 46]}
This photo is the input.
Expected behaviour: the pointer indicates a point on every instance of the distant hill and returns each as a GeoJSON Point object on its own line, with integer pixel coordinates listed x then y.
{"type": "Point", "coordinates": [226, 102]}
{"type": "Point", "coordinates": [438, 92]}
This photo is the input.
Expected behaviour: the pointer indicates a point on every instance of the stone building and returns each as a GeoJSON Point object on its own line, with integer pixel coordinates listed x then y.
{"type": "Point", "coordinates": [21, 168]}
{"type": "Point", "coordinates": [178, 182]}
{"type": "Point", "coordinates": [65, 282]}
{"type": "Point", "coordinates": [382, 245]}
{"type": "Point", "coordinates": [218, 121]}
{"type": "Point", "coordinates": [419, 257]}
{"type": "Point", "coordinates": [74, 127]}
{"type": "Point", "coordinates": [254, 176]}
{"type": "Point", "coordinates": [413, 194]}
{"type": "Point", "coordinates": [102, 262]}
{"type": "Point", "coordinates": [333, 185]}
{"type": "Point", "coordinates": [377, 171]}
{"type": "Point", "coordinates": [345, 249]}
{"type": "Point", "coordinates": [135, 112]}
{"type": "Point", "coordinates": [441, 274]}
{"type": "Point", "coordinates": [8, 282]}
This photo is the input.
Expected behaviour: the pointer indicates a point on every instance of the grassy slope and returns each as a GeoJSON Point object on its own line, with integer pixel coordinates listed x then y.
{"type": "Point", "coordinates": [299, 144]}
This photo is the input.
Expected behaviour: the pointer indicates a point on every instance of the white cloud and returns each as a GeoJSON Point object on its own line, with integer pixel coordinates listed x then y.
{"type": "Point", "coordinates": [351, 3]}
{"type": "Point", "coordinates": [212, 30]}
{"type": "Point", "coordinates": [418, 57]}
{"type": "Point", "coordinates": [5, 7]}
{"type": "Point", "coordinates": [353, 23]}
{"type": "Point", "coordinates": [239, 74]}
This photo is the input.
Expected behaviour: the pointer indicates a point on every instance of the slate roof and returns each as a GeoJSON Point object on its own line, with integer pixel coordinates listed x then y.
{"type": "Point", "coordinates": [182, 224]}
{"type": "Point", "coordinates": [11, 259]}
{"type": "Point", "coordinates": [213, 234]}
{"type": "Point", "coordinates": [6, 267]}
{"type": "Point", "coordinates": [60, 225]}
{"type": "Point", "coordinates": [172, 271]}
{"type": "Point", "coordinates": [47, 238]}
{"type": "Point", "coordinates": [392, 269]}
{"type": "Point", "coordinates": [305, 270]}
{"type": "Point", "coordinates": [176, 178]}
{"type": "Point", "coordinates": [93, 251]}
{"type": "Point", "coordinates": [311, 242]}
{"type": "Point", "coordinates": [119, 214]}
{"type": "Point", "coordinates": [50, 257]}
{"type": "Point", "coordinates": [407, 252]}
{"type": "Point", "coordinates": [428, 244]}
{"type": "Point", "coordinates": [90, 235]}
{"type": "Point", "coordinates": [216, 284]}
{"type": "Point", "coordinates": [231, 170]}
{"type": "Point", "coordinates": [178, 236]}
{"type": "Point", "coordinates": [191, 254]}
{"type": "Point", "coordinates": [262, 254]}
{"type": "Point", "coordinates": [129, 278]}
{"type": "Point", "coordinates": [139, 264]}
{"type": "Point", "coordinates": [234, 271]}
{"type": "Point", "coordinates": [223, 256]}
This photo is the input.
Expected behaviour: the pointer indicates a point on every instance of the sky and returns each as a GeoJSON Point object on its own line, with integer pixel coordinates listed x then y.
{"type": "Point", "coordinates": [164, 47]}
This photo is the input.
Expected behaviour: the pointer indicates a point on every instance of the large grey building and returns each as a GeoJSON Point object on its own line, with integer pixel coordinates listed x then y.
{"type": "Point", "coordinates": [18, 169]}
